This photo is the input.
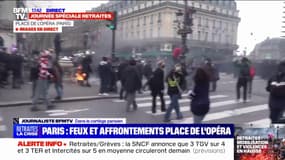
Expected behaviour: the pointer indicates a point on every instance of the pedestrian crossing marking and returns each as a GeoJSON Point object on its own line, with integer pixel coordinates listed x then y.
{"type": "Point", "coordinates": [167, 102]}
{"type": "Point", "coordinates": [167, 97]}
{"type": "Point", "coordinates": [262, 122]}
{"type": "Point", "coordinates": [187, 108]}
{"type": "Point", "coordinates": [64, 112]}
{"type": "Point", "coordinates": [229, 113]}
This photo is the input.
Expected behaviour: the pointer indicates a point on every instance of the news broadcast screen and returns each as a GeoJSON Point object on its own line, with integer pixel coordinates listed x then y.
{"type": "Point", "coordinates": [135, 79]}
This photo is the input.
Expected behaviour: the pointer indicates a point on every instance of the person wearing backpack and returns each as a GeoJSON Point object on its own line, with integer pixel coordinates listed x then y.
{"type": "Point", "coordinates": [276, 88]}
{"type": "Point", "coordinates": [243, 77]}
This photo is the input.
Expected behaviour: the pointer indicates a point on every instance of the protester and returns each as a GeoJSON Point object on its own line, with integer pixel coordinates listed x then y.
{"type": "Point", "coordinates": [58, 77]}
{"type": "Point", "coordinates": [42, 83]}
{"type": "Point", "coordinates": [156, 85]}
{"type": "Point", "coordinates": [212, 72]}
{"type": "Point", "coordinates": [243, 77]}
{"type": "Point", "coordinates": [121, 69]}
{"type": "Point", "coordinates": [16, 67]}
{"type": "Point", "coordinates": [105, 71]}
{"type": "Point", "coordinates": [175, 79]}
{"type": "Point", "coordinates": [276, 88]}
{"type": "Point", "coordinates": [34, 72]}
{"type": "Point", "coordinates": [147, 72]}
{"type": "Point", "coordinates": [200, 103]}
{"type": "Point", "coordinates": [132, 84]}
{"type": "Point", "coordinates": [4, 64]}
{"type": "Point", "coordinates": [252, 74]}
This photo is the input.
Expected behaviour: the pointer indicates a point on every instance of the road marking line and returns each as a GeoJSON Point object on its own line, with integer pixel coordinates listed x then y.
{"type": "Point", "coordinates": [187, 108]}
{"type": "Point", "coordinates": [58, 114]}
{"type": "Point", "coordinates": [149, 104]}
{"type": "Point", "coordinates": [52, 111]}
{"type": "Point", "coordinates": [3, 128]}
{"type": "Point", "coordinates": [65, 112]}
{"type": "Point", "coordinates": [229, 113]}
{"type": "Point", "coordinates": [263, 122]}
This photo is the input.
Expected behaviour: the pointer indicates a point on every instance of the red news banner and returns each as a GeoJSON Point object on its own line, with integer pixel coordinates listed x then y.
{"type": "Point", "coordinates": [72, 16]}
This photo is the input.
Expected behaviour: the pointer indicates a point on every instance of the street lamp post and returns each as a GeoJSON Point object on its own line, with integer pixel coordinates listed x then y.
{"type": "Point", "coordinates": [186, 28]}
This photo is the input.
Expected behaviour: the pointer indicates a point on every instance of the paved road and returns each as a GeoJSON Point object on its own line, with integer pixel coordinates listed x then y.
{"type": "Point", "coordinates": [224, 109]}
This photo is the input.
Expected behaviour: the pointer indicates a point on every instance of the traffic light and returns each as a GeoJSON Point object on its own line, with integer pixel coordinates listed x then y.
{"type": "Point", "coordinates": [190, 13]}
{"type": "Point", "coordinates": [113, 23]}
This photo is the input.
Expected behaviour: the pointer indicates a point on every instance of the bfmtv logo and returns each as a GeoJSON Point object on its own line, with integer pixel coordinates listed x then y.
{"type": "Point", "coordinates": [21, 13]}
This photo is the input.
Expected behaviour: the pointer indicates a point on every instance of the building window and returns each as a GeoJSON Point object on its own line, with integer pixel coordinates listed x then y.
{"type": "Point", "coordinates": [138, 34]}
{"type": "Point", "coordinates": [138, 21]}
{"type": "Point", "coordinates": [227, 26]}
{"type": "Point", "coordinates": [150, 33]}
{"type": "Point", "coordinates": [151, 19]}
{"type": "Point", "coordinates": [199, 35]}
{"type": "Point", "coordinates": [220, 38]}
{"type": "Point", "coordinates": [132, 34]}
{"type": "Point", "coordinates": [220, 25]}
{"type": "Point", "coordinates": [144, 34]}
{"type": "Point", "coordinates": [213, 37]}
{"type": "Point", "coordinates": [207, 22]}
{"type": "Point", "coordinates": [214, 23]}
{"type": "Point", "coordinates": [132, 23]}
{"type": "Point", "coordinates": [233, 27]}
{"type": "Point", "coordinates": [199, 21]}
{"type": "Point", "coordinates": [158, 32]}
{"type": "Point", "coordinates": [144, 20]}
{"type": "Point", "coordinates": [206, 36]}
{"type": "Point", "coordinates": [159, 18]}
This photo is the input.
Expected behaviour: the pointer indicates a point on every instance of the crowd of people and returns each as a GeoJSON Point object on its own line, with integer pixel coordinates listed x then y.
{"type": "Point", "coordinates": [198, 81]}
{"type": "Point", "coordinates": [11, 63]}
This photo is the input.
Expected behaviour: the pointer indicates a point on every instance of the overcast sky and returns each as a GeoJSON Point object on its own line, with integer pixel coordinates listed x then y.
{"type": "Point", "coordinates": [259, 19]}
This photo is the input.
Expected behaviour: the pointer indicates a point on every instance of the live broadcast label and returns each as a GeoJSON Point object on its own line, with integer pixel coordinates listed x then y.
{"type": "Point", "coordinates": [123, 131]}
{"type": "Point", "coordinates": [127, 149]}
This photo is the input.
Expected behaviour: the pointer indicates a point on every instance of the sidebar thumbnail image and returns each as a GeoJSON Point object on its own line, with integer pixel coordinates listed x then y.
{"type": "Point", "coordinates": [256, 143]}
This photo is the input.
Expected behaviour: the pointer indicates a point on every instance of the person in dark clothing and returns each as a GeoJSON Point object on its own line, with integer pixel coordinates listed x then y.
{"type": "Point", "coordinates": [212, 72]}
{"type": "Point", "coordinates": [122, 66]}
{"type": "Point", "coordinates": [200, 103]}
{"type": "Point", "coordinates": [132, 84]}
{"type": "Point", "coordinates": [86, 62]}
{"type": "Point", "coordinates": [34, 72]}
{"type": "Point", "coordinates": [4, 62]}
{"type": "Point", "coordinates": [175, 79]}
{"type": "Point", "coordinates": [139, 66]}
{"type": "Point", "coordinates": [156, 85]}
{"type": "Point", "coordinates": [105, 71]}
{"type": "Point", "coordinates": [58, 78]}
{"type": "Point", "coordinates": [16, 67]}
{"type": "Point", "coordinates": [147, 72]}
{"type": "Point", "coordinates": [243, 77]}
{"type": "Point", "coordinates": [276, 88]}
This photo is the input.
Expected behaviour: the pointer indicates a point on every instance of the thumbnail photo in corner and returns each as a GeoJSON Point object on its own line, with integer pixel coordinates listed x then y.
{"type": "Point", "coordinates": [259, 143]}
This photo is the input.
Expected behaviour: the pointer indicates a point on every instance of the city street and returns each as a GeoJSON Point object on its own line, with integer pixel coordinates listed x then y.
{"type": "Point", "coordinates": [224, 108]}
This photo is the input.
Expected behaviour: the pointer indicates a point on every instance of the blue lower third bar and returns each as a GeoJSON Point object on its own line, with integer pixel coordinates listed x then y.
{"type": "Point", "coordinates": [123, 131]}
